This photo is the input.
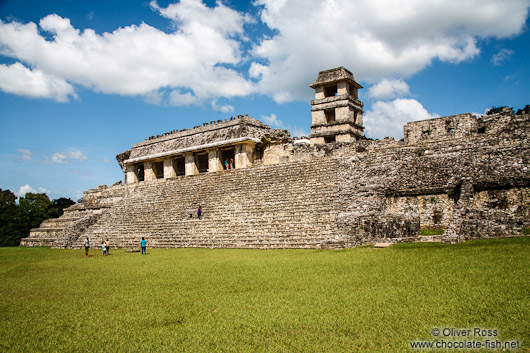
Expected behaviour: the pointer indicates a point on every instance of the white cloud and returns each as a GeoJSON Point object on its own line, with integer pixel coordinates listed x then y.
{"type": "Point", "coordinates": [24, 189]}
{"type": "Point", "coordinates": [224, 108]}
{"type": "Point", "coordinates": [272, 120]}
{"type": "Point", "coordinates": [389, 89]}
{"type": "Point", "coordinates": [18, 79]}
{"type": "Point", "coordinates": [386, 119]}
{"type": "Point", "coordinates": [373, 39]}
{"type": "Point", "coordinates": [65, 157]}
{"type": "Point", "coordinates": [84, 172]}
{"type": "Point", "coordinates": [24, 155]}
{"type": "Point", "coordinates": [298, 132]}
{"type": "Point", "coordinates": [176, 98]}
{"type": "Point", "coordinates": [136, 59]}
{"type": "Point", "coordinates": [501, 56]}
{"type": "Point", "coordinates": [201, 59]}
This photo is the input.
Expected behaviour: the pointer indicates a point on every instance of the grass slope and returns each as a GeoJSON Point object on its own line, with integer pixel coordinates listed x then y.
{"type": "Point", "coordinates": [226, 300]}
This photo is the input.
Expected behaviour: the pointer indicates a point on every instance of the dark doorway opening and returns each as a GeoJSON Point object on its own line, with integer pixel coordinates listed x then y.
{"type": "Point", "coordinates": [202, 162]}
{"type": "Point", "coordinates": [180, 166]}
{"type": "Point", "coordinates": [158, 169]}
{"type": "Point", "coordinates": [139, 170]}
{"type": "Point", "coordinates": [228, 157]}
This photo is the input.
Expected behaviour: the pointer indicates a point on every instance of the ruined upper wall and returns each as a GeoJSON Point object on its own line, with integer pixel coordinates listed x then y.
{"type": "Point", "coordinates": [454, 126]}
{"type": "Point", "coordinates": [210, 133]}
{"type": "Point", "coordinates": [461, 126]}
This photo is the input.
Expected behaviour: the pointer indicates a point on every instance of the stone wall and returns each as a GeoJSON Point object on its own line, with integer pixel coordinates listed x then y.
{"type": "Point", "coordinates": [208, 134]}
{"type": "Point", "coordinates": [333, 195]}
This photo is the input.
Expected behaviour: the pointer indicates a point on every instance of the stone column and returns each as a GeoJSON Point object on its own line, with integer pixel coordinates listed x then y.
{"type": "Point", "coordinates": [169, 168]}
{"type": "Point", "coordinates": [191, 167]}
{"type": "Point", "coordinates": [149, 173]}
{"type": "Point", "coordinates": [244, 154]}
{"type": "Point", "coordinates": [343, 88]}
{"type": "Point", "coordinates": [214, 164]}
{"type": "Point", "coordinates": [130, 174]}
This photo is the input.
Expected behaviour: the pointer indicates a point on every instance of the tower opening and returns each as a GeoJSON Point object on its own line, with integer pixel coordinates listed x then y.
{"type": "Point", "coordinates": [330, 115]}
{"type": "Point", "coordinates": [330, 91]}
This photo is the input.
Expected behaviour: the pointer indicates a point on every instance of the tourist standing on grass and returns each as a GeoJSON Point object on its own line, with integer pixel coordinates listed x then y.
{"type": "Point", "coordinates": [107, 244]}
{"type": "Point", "coordinates": [104, 248]}
{"type": "Point", "coordinates": [199, 212]}
{"type": "Point", "coordinates": [87, 246]}
{"type": "Point", "coordinates": [142, 245]}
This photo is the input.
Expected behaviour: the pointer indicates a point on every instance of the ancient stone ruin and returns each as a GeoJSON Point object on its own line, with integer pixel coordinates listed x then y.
{"type": "Point", "coordinates": [260, 188]}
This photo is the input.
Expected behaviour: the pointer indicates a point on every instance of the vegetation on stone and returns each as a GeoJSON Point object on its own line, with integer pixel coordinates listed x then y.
{"type": "Point", "coordinates": [432, 231]}
{"type": "Point", "coordinates": [234, 300]}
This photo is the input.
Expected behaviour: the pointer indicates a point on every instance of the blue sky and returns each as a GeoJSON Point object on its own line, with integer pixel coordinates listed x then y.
{"type": "Point", "coordinates": [81, 81]}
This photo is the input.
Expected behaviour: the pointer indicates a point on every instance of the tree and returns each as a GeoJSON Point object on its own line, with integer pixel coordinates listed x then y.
{"type": "Point", "coordinates": [9, 232]}
{"type": "Point", "coordinates": [495, 110]}
{"type": "Point", "coordinates": [16, 221]}
{"type": "Point", "coordinates": [58, 206]}
{"type": "Point", "coordinates": [525, 110]}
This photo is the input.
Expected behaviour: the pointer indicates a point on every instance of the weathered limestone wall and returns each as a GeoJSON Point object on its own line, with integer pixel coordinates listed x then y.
{"type": "Point", "coordinates": [333, 195]}
{"type": "Point", "coordinates": [454, 126]}
{"type": "Point", "coordinates": [211, 133]}
{"type": "Point", "coordinates": [434, 211]}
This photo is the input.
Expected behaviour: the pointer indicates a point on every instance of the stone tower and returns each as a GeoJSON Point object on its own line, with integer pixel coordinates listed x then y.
{"type": "Point", "coordinates": [336, 111]}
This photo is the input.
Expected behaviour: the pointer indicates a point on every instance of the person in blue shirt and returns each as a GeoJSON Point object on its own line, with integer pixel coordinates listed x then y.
{"type": "Point", "coordinates": [142, 245]}
{"type": "Point", "coordinates": [104, 247]}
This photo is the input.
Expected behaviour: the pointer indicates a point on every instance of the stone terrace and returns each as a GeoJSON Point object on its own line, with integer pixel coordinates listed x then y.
{"type": "Point", "coordinates": [279, 206]}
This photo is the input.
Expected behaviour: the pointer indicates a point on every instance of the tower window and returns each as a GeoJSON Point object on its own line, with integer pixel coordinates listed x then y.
{"type": "Point", "coordinates": [330, 115]}
{"type": "Point", "coordinates": [329, 139]}
{"type": "Point", "coordinates": [330, 91]}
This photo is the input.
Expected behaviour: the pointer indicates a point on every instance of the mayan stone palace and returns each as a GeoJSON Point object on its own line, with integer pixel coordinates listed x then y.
{"type": "Point", "coordinates": [260, 188]}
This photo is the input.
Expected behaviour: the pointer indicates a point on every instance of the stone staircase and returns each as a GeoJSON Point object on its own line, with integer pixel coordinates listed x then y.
{"type": "Point", "coordinates": [51, 230]}
{"type": "Point", "coordinates": [290, 205]}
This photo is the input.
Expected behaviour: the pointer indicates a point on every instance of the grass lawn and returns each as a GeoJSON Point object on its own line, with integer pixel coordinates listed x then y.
{"type": "Point", "coordinates": [224, 300]}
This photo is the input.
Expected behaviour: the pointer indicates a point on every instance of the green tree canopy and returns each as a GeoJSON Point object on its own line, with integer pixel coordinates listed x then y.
{"type": "Point", "coordinates": [16, 221]}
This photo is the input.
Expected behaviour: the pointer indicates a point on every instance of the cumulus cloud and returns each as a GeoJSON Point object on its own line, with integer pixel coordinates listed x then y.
{"type": "Point", "coordinates": [24, 189]}
{"type": "Point", "coordinates": [386, 119]}
{"type": "Point", "coordinates": [223, 108]}
{"type": "Point", "coordinates": [272, 120]}
{"type": "Point", "coordinates": [20, 80]}
{"type": "Point", "coordinates": [389, 89]}
{"type": "Point", "coordinates": [84, 172]}
{"type": "Point", "coordinates": [65, 157]}
{"type": "Point", "coordinates": [176, 98]}
{"type": "Point", "coordinates": [205, 56]}
{"type": "Point", "coordinates": [136, 59]}
{"type": "Point", "coordinates": [298, 132]}
{"type": "Point", "coordinates": [373, 39]}
{"type": "Point", "coordinates": [24, 155]}
{"type": "Point", "coordinates": [501, 56]}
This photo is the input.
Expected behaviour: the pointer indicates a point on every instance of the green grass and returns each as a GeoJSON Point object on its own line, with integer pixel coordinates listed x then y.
{"type": "Point", "coordinates": [205, 300]}
{"type": "Point", "coordinates": [432, 231]}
